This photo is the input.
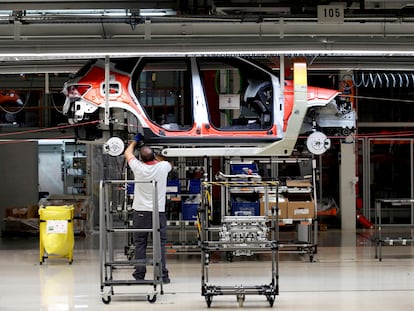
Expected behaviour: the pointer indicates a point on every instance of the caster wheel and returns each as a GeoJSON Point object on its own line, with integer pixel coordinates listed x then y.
{"type": "Point", "coordinates": [240, 300]}
{"type": "Point", "coordinates": [209, 300]}
{"type": "Point", "coordinates": [271, 300]}
{"type": "Point", "coordinates": [106, 300]}
{"type": "Point", "coordinates": [152, 299]}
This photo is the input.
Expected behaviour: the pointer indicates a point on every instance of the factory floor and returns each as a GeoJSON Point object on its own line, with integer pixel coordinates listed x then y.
{"type": "Point", "coordinates": [344, 275]}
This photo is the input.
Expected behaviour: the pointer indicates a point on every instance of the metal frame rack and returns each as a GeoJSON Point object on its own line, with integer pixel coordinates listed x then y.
{"type": "Point", "coordinates": [182, 231]}
{"type": "Point", "coordinates": [306, 242]}
{"type": "Point", "coordinates": [307, 235]}
{"type": "Point", "coordinates": [241, 236]}
{"type": "Point", "coordinates": [305, 238]}
{"type": "Point", "coordinates": [379, 226]}
{"type": "Point", "coordinates": [110, 258]}
{"type": "Point", "coordinates": [300, 247]}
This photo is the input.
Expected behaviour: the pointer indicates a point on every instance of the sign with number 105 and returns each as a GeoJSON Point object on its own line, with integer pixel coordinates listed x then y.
{"type": "Point", "coordinates": [330, 14]}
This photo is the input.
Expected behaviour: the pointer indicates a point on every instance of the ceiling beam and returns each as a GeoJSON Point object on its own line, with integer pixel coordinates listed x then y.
{"type": "Point", "coordinates": [131, 27]}
{"type": "Point", "coordinates": [48, 39]}
{"type": "Point", "coordinates": [84, 48]}
{"type": "Point", "coordinates": [82, 4]}
{"type": "Point", "coordinates": [45, 40]}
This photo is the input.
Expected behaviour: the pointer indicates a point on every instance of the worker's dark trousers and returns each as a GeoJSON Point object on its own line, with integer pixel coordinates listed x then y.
{"type": "Point", "coordinates": [143, 220]}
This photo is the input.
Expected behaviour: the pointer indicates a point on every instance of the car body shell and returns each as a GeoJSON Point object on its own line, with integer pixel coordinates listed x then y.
{"type": "Point", "coordinates": [123, 113]}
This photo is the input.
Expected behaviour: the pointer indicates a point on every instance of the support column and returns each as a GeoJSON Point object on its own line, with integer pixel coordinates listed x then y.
{"type": "Point", "coordinates": [347, 195]}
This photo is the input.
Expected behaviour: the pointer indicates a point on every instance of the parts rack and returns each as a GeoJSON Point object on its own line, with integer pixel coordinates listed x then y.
{"type": "Point", "coordinates": [239, 236]}
{"type": "Point", "coordinates": [111, 259]}
{"type": "Point", "coordinates": [379, 225]}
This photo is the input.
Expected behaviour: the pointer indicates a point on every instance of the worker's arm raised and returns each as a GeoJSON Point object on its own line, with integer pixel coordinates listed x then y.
{"type": "Point", "coordinates": [129, 151]}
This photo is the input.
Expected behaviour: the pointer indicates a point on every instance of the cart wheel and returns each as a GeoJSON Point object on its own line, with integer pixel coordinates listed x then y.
{"type": "Point", "coordinates": [152, 299]}
{"type": "Point", "coordinates": [271, 300]}
{"type": "Point", "coordinates": [240, 300]}
{"type": "Point", "coordinates": [106, 300]}
{"type": "Point", "coordinates": [209, 299]}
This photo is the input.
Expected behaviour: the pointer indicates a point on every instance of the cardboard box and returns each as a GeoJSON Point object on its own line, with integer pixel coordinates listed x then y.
{"type": "Point", "coordinates": [23, 212]}
{"type": "Point", "coordinates": [301, 206]}
{"type": "Point", "coordinates": [298, 183]}
{"type": "Point", "coordinates": [283, 207]}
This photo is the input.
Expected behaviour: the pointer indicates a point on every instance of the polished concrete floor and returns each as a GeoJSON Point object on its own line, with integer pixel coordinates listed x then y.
{"type": "Point", "coordinates": [345, 275]}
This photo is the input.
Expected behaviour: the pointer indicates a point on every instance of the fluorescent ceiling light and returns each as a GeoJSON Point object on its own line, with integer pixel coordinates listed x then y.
{"type": "Point", "coordinates": [20, 56]}
{"type": "Point", "coordinates": [6, 13]}
{"type": "Point", "coordinates": [253, 9]}
{"type": "Point", "coordinates": [54, 141]}
{"type": "Point", "coordinates": [156, 12]}
{"type": "Point", "coordinates": [84, 51]}
{"type": "Point", "coordinates": [113, 12]}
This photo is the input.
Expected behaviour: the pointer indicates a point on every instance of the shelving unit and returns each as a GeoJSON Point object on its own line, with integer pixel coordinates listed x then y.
{"type": "Point", "coordinates": [296, 199]}
{"type": "Point", "coordinates": [75, 169]}
{"type": "Point", "coordinates": [183, 200]}
{"type": "Point", "coordinates": [383, 236]}
{"type": "Point", "coordinates": [300, 211]}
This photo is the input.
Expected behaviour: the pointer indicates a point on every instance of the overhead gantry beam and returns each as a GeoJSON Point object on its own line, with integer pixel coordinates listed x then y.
{"type": "Point", "coordinates": [50, 39]}
{"type": "Point", "coordinates": [130, 26]}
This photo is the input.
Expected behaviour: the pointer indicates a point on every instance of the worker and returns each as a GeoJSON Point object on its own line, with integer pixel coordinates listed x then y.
{"type": "Point", "coordinates": [151, 167]}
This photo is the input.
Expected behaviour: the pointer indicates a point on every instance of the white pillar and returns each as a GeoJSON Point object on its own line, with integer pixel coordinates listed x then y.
{"type": "Point", "coordinates": [347, 195]}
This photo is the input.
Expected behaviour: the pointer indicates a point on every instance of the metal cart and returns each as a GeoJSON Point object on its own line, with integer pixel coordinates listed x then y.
{"type": "Point", "coordinates": [112, 259]}
{"type": "Point", "coordinates": [379, 238]}
{"type": "Point", "coordinates": [242, 235]}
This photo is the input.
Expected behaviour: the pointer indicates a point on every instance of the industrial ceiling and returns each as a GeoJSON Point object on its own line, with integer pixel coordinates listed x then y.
{"type": "Point", "coordinates": [51, 39]}
{"type": "Point", "coordinates": [372, 33]}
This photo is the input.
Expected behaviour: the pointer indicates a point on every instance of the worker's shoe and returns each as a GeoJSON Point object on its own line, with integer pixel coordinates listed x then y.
{"type": "Point", "coordinates": [166, 280]}
{"type": "Point", "coordinates": [138, 277]}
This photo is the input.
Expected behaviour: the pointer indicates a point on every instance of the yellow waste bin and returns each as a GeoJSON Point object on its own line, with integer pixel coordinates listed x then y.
{"type": "Point", "coordinates": [56, 234]}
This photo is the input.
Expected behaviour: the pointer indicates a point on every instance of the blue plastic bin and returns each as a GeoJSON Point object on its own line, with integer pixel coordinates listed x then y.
{"type": "Point", "coordinates": [240, 168]}
{"type": "Point", "coordinates": [189, 211]}
{"type": "Point", "coordinates": [173, 186]}
{"type": "Point", "coordinates": [245, 208]}
{"type": "Point", "coordinates": [130, 188]}
{"type": "Point", "coordinates": [194, 186]}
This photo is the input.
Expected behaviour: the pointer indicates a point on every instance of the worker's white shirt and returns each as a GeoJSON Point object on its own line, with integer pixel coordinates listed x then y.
{"type": "Point", "coordinates": [146, 172]}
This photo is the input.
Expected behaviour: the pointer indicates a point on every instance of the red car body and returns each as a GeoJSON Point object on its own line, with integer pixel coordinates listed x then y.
{"type": "Point", "coordinates": [196, 102]}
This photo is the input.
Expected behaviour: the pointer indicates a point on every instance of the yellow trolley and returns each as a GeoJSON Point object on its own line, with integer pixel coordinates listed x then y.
{"type": "Point", "coordinates": [56, 235]}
